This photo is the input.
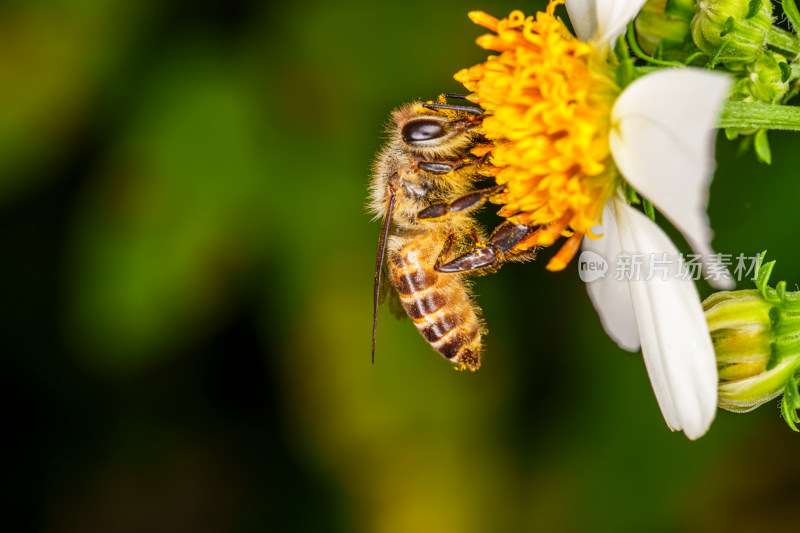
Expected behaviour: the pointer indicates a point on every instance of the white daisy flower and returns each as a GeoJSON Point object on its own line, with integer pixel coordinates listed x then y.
{"type": "Point", "coordinates": [566, 140]}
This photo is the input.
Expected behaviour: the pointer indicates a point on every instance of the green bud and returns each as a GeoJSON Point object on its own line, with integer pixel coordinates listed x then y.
{"type": "Point", "coordinates": [663, 28]}
{"type": "Point", "coordinates": [756, 338]}
{"type": "Point", "coordinates": [731, 30]}
{"type": "Point", "coordinates": [764, 80]}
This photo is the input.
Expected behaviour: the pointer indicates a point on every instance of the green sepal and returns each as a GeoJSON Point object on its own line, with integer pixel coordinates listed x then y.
{"type": "Point", "coordinates": [694, 57]}
{"type": "Point", "coordinates": [626, 73]}
{"type": "Point", "coordinates": [786, 71]}
{"type": "Point", "coordinates": [784, 40]}
{"type": "Point", "coordinates": [659, 53]}
{"type": "Point", "coordinates": [717, 54]}
{"type": "Point", "coordinates": [791, 403]}
{"type": "Point", "coordinates": [774, 355]}
{"type": "Point", "coordinates": [649, 210]}
{"type": "Point", "coordinates": [744, 145]}
{"type": "Point", "coordinates": [780, 290]}
{"type": "Point", "coordinates": [763, 272]}
{"type": "Point", "coordinates": [763, 152]}
{"type": "Point", "coordinates": [630, 194]}
{"type": "Point", "coordinates": [626, 70]}
{"type": "Point", "coordinates": [753, 8]}
{"type": "Point", "coordinates": [621, 48]}
{"type": "Point", "coordinates": [679, 9]}
{"type": "Point", "coordinates": [728, 27]}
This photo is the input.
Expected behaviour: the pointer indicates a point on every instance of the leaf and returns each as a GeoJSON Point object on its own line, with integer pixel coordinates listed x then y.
{"type": "Point", "coordinates": [761, 145]}
{"type": "Point", "coordinates": [790, 9]}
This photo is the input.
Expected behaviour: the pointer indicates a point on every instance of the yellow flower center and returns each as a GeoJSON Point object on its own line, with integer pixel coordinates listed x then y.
{"type": "Point", "coordinates": [548, 101]}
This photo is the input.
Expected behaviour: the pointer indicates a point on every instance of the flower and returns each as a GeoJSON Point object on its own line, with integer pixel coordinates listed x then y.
{"type": "Point", "coordinates": [568, 141]}
{"type": "Point", "coordinates": [756, 335]}
{"type": "Point", "coordinates": [732, 30]}
{"type": "Point", "coordinates": [663, 28]}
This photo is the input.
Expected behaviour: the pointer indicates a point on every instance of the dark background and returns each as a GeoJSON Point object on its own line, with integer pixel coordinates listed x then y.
{"type": "Point", "coordinates": [185, 298]}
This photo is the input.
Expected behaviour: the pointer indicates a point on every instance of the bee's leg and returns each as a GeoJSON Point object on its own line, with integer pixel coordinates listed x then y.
{"type": "Point", "coordinates": [446, 251]}
{"type": "Point", "coordinates": [467, 202]}
{"type": "Point", "coordinates": [434, 167]}
{"type": "Point", "coordinates": [462, 108]}
{"type": "Point", "coordinates": [499, 248]}
{"type": "Point", "coordinates": [474, 236]}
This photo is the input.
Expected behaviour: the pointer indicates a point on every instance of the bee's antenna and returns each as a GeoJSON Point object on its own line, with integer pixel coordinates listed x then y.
{"type": "Point", "coordinates": [384, 234]}
{"type": "Point", "coordinates": [456, 96]}
{"type": "Point", "coordinates": [464, 108]}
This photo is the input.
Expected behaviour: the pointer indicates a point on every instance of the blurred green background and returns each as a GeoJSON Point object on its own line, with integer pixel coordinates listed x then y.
{"type": "Point", "coordinates": [185, 298]}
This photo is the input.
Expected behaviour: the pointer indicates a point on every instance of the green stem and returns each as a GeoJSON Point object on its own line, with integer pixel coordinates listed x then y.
{"type": "Point", "coordinates": [748, 115]}
{"type": "Point", "coordinates": [647, 70]}
{"type": "Point", "coordinates": [784, 40]}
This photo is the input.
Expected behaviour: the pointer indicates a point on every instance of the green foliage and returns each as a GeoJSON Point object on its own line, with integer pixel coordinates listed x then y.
{"type": "Point", "coordinates": [790, 403]}
{"type": "Point", "coordinates": [761, 145]}
{"type": "Point", "coordinates": [791, 12]}
{"type": "Point", "coordinates": [174, 216]}
{"type": "Point", "coordinates": [186, 297]}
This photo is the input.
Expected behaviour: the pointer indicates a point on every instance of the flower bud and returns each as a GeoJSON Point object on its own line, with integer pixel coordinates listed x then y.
{"type": "Point", "coordinates": [731, 30]}
{"type": "Point", "coordinates": [756, 337]}
{"type": "Point", "coordinates": [764, 80]}
{"type": "Point", "coordinates": [665, 24]}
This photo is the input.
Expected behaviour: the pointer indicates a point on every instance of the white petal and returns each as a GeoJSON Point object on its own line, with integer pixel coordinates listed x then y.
{"type": "Point", "coordinates": [610, 297]}
{"type": "Point", "coordinates": [676, 344]}
{"type": "Point", "coordinates": [583, 15]}
{"type": "Point", "coordinates": [601, 21]}
{"type": "Point", "coordinates": [663, 143]}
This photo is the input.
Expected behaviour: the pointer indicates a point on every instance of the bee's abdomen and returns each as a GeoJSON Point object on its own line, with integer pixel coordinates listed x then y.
{"type": "Point", "coordinates": [439, 305]}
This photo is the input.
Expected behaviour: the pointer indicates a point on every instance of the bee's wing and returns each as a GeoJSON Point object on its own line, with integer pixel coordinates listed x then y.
{"type": "Point", "coordinates": [389, 296]}
{"type": "Point", "coordinates": [385, 290]}
{"type": "Point", "coordinates": [396, 306]}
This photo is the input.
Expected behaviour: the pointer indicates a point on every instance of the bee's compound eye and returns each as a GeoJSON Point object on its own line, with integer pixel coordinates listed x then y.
{"type": "Point", "coordinates": [422, 130]}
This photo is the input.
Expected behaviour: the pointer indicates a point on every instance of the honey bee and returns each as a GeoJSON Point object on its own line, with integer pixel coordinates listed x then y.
{"type": "Point", "coordinates": [423, 189]}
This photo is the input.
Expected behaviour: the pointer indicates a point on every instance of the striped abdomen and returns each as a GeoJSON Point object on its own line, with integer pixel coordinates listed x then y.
{"type": "Point", "coordinates": [439, 304]}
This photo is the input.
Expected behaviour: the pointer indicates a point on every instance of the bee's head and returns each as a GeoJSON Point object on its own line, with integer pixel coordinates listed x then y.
{"type": "Point", "coordinates": [430, 133]}
{"type": "Point", "coordinates": [425, 130]}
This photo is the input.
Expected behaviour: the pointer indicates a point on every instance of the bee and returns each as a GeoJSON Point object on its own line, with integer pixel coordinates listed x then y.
{"type": "Point", "coordinates": [423, 189]}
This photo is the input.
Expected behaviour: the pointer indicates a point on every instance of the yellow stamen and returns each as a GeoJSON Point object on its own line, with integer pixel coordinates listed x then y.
{"type": "Point", "coordinates": [565, 254]}
{"type": "Point", "coordinates": [544, 236]}
{"type": "Point", "coordinates": [482, 149]}
{"type": "Point", "coordinates": [548, 101]}
{"type": "Point", "coordinates": [483, 19]}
